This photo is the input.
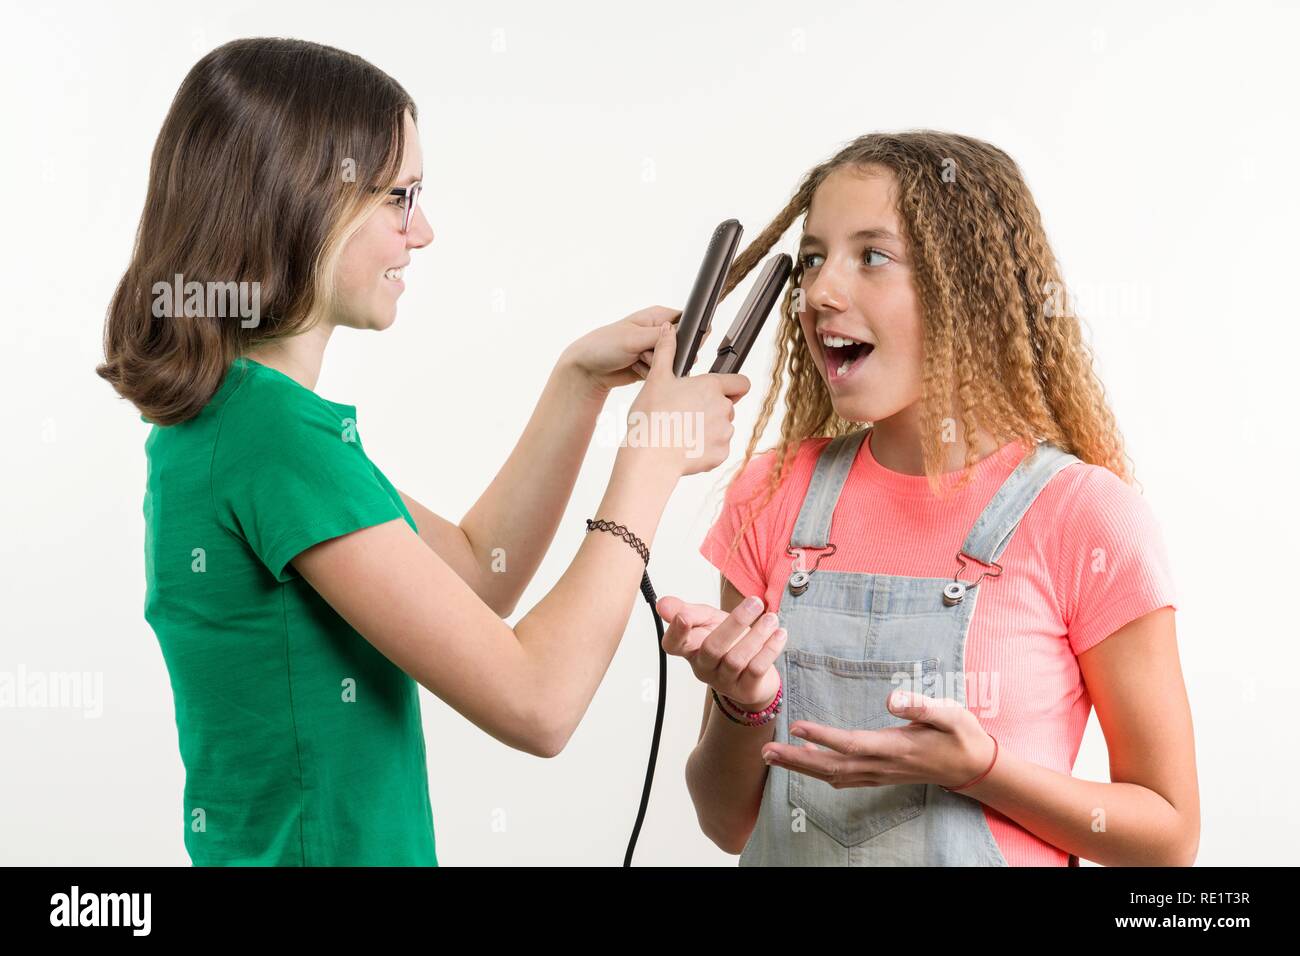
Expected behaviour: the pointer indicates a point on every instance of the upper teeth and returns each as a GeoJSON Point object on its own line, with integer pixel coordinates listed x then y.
{"type": "Point", "coordinates": [394, 273]}
{"type": "Point", "coordinates": [838, 342]}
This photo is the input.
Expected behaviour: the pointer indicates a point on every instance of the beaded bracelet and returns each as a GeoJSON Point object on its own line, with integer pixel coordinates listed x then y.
{"type": "Point", "coordinates": [751, 718]}
{"type": "Point", "coordinates": [601, 524]}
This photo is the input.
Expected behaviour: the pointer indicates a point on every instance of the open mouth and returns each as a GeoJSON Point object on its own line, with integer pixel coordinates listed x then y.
{"type": "Point", "coordinates": [844, 355]}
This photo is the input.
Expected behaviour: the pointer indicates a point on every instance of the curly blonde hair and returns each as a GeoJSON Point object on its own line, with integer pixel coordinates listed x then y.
{"type": "Point", "coordinates": [996, 332]}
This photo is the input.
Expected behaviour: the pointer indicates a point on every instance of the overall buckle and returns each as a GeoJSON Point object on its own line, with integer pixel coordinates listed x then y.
{"type": "Point", "coordinates": [955, 590]}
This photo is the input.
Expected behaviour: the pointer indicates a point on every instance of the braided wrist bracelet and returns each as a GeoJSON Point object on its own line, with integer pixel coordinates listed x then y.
{"type": "Point", "coordinates": [600, 524]}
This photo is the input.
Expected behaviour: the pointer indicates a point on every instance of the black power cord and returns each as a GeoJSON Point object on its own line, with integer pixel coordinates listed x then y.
{"type": "Point", "coordinates": [648, 591]}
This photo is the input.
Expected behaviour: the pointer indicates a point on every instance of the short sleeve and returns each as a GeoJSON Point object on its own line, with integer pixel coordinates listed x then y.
{"type": "Point", "coordinates": [288, 472]}
{"type": "Point", "coordinates": [746, 567]}
{"type": "Point", "coordinates": [1113, 567]}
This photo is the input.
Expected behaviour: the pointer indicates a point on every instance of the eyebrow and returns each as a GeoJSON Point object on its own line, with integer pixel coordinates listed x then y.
{"type": "Point", "coordinates": [412, 179]}
{"type": "Point", "coordinates": [874, 233]}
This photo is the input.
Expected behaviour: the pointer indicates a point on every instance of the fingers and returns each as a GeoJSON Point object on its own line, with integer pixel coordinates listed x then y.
{"type": "Point", "coordinates": [655, 315]}
{"type": "Point", "coordinates": [851, 743]}
{"type": "Point", "coordinates": [769, 652]}
{"type": "Point", "coordinates": [943, 714]}
{"type": "Point", "coordinates": [726, 634]}
{"type": "Point", "coordinates": [862, 755]}
{"type": "Point", "coordinates": [734, 385]}
{"type": "Point", "coordinates": [661, 366]}
{"type": "Point", "coordinates": [690, 624]}
{"type": "Point", "coordinates": [826, 765]}
{"type": "Point", "coordinates": [643, 338]}
{"type": "Point", "coordinates": [736, 662]}
{"type": "Point", "coordinates": [641, 369]}
{"type": "Point", "coordinates": [822, 764]}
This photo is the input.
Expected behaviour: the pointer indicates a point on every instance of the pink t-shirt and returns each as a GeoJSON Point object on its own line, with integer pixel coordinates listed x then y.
{"type": "Point", "coordinates": [1087, 558]}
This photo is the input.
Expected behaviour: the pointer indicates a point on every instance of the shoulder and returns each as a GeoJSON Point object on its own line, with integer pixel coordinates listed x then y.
{"type": "Point", "coordinates": [263, 390]}
{"type": "Point", "coordinates": [757, 474]}
{"type": "Point", "coordinates": [1113, 565]}
{"type": "Point", "coordinates": [267, 416]}
{"type": "Point", "coordinates": [1110, 539]}
{"type": "Point", "coordinates": [1094, 501]}
{"type": "Point", "coordinates": [269, 402]}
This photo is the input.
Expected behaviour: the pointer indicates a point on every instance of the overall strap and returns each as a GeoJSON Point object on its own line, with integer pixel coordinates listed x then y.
{"type": "Point", "coordinates": [812, 529]}
{"type": "Point", "coordinates": [992, 531]}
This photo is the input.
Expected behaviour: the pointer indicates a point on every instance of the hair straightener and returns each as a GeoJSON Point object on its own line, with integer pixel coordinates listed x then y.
{"type": "Point", "coordinates": [693, 328]}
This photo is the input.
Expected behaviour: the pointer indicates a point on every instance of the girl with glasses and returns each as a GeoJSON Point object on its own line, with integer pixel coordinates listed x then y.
{"type": "Point", "coordinates": [298, 597]}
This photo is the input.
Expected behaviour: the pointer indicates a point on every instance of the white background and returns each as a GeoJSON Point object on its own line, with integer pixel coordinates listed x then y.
{"type": "Point", "coordinates": [577, 157]}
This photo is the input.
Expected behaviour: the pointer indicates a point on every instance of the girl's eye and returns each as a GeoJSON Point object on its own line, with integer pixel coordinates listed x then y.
{"type": "Point", "coordinates": [807, 260]}
{"type": "Point", "coordinates": [397, 201]}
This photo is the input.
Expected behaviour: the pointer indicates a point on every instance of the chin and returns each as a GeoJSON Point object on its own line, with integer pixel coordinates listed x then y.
{"type": "Point", "coordinates": [373, 322]}
{"type": "Point", "coordinates": [384, 321]}
{"type": "Point", "coordinates": [864, 407]}
{"type": "Point", "coordinates": [853, 411]}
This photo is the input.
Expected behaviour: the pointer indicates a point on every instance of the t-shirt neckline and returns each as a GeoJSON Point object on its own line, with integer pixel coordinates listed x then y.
{"type": "Point", "coordinates": [1000, 462]}
{"type": "Point", "coordinates": [245, 361]}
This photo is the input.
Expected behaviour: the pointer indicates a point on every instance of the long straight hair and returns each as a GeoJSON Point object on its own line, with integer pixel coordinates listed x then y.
{"type": "Point", "coordinates": [272, 154]}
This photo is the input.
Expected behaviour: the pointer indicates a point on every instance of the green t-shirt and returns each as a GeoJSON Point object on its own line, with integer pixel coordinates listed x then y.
{"type": "Point", "coordinates": [302, 743]}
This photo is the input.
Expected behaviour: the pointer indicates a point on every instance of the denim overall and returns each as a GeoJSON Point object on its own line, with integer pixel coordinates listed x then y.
{"type": "Point", "coordinates": [852, 639]}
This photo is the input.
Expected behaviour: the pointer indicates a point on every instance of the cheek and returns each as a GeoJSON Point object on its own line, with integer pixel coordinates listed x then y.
{"type": "Point", "coordinates": [902, 324]}
{"type": "Point", "coordinates": [367, 254]}
{"type": "Point", "coordinates": [809, 335]}
{"type": "Point", "coordinates": [351, 278]}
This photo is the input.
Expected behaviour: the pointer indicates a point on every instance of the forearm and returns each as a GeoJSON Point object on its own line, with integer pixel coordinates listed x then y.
{"type": "Point", "coordinates": [1114, 824]}
{"type": "Point", "coordinates": [571, 636]}
{"type": "Point", "coordinates": [725, 776]}
{"type": "Point", "coordinates": [513, 523]}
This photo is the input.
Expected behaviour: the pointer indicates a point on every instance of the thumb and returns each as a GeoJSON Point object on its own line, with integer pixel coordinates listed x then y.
{"type": "Point", "coordinates": [669, 607]}
{"type": "Point", "coordinates": [921, 709]}
{"type": "Point", "coordinates": [661, 366]}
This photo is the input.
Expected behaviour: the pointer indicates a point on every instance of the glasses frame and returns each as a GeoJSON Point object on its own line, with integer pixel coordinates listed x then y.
{"type": "Point", "coordinates": [410, 197]}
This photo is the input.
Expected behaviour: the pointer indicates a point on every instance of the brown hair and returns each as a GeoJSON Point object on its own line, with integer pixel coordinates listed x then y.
{"type": "Point", "coordinates": [995, 331]}
{"type": "Point", "coordinates": [272, 154]}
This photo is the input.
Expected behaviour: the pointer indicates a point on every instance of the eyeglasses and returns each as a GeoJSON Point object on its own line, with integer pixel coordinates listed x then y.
{"type": "Point", "coordinates": [410, 196]}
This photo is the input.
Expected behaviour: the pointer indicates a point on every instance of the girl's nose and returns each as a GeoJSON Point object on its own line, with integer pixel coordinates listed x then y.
{"type": "Point", "coordinates": [420, 233]}
{"type": "Point", "coordinates": [827, 292]}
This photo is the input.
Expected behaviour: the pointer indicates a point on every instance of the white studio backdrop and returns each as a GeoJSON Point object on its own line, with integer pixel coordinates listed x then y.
{"type": "Point", "coordinates": [577, 157]}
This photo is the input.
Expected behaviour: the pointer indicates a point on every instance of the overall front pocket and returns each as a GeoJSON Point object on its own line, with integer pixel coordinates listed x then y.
{"type": "Point", "coordinates": [851, 695]}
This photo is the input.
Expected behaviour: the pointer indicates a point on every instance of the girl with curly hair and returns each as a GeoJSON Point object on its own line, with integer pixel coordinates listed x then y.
{"type": "Point", "coordinates": [956, 565]}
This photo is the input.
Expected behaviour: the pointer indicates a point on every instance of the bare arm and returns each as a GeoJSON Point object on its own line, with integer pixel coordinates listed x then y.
{"type": "Point", "coordinates": [499, 544]}
{"type": "Point", "coordinates": [725, 773]}
{"type": "Point", "coordinates": [1149, 814]}
{"type": "Point", "coordinates": [530, 686]}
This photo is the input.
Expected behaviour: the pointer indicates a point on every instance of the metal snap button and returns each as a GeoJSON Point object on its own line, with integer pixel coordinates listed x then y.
{"type": "Point", "coordinates": [953, 592]}
{"type": "Point", "coordinates": [801, 577]}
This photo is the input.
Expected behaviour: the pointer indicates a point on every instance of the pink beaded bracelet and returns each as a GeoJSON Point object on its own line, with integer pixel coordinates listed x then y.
{"type": "Point", "coordinates": [751, 718]}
